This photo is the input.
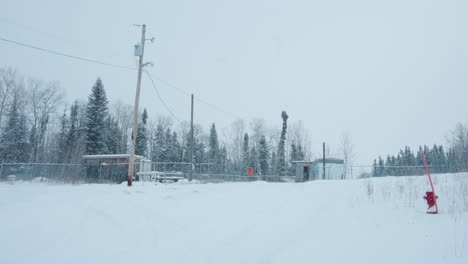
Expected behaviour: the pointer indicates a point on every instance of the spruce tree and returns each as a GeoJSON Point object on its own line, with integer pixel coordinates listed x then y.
{"type": "Point", "coordinates": [176, 148]}
{"type": "Point", "coordinates": [282, 166]}
{"type": "Point", "coordinates": [381, 167]}
{"type": "Point", "coordinates": [223, 160]}
{"type": "Point", "coordinates": [375, 171]}
{"type": "Point", "coordinates": [62, 136]}
{"type": "Point", "coordinates": [199, 152]}
{"type": "Point", "coordinates": [263, 156]}
{"type": "Point", "coordinates": [96, 116]}
{"type": "Point", "coordinates": [14, 143]}
{"type": "Point", "coordinates": [158, 145]}
{"type": "Point", "coordinates": [442, 160]}
{"type": "Point", "coordinates": [113, 136]}
{"type": "Point", "coordinates": [141, 146]}
{"type": "Point", "coordinates": [73, 132]}
{"type": "Point", "coordinates": [254, 160]}
{"type": "Point", "coordinates": [213, 152]}
{"type": "Point", "coordinates": [294, 156]}
{"type": "Point", "coordinates": [388, 167]}
{"type": "Point", "coordinates": [273, 163]}
{"type": "Point", "coordinates": [245, 154]}
{"type": "Point", "coordinates": [452, 161]}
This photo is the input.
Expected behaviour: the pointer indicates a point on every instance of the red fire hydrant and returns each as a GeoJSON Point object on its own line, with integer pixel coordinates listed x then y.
{"type": "Point", "coordinates": [431, 201]}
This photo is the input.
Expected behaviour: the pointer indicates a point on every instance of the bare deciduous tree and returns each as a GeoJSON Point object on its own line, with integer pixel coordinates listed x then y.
{"type": "Point", "coordinates": [458, 140]}
{"type": "Point", "coordinates": [8, 83]}
{"type": "Point", "coordinates": [236, 140]}
{"type": "Point", "coordinates": [347, 151]}
{"type": "Point", "coordinates": [44, 100]}
{"type": "Point", "coordinates": [123, 113]}
{"type": "Point", "coordinates": [300, 136]}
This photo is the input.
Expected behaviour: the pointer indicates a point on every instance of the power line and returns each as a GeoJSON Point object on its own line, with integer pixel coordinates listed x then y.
{"type": "Point", "coordinates": [67, 55]}
{"type": "Point", "coordinates": [171, 85]}
{"type": "Point", "coordinates": [217, 108]}
{"type": "Point", "coordinates": [121, 67]}
{"type": "Point", "coordinates": [196, 98]}
{"type": "Point", "coordinates": [160, 98]}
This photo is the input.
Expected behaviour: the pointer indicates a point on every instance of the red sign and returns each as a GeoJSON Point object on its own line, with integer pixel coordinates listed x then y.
{"type": "Point", "coordinates": [250, 171]}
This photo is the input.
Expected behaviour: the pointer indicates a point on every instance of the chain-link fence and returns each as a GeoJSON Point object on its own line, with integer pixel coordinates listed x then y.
{"type": "Point", "coordinates": [117, 172]}
{"type": "Point", "coordinates": [66, 173]}
{"type": "Point", "coordinates": [218, 178]}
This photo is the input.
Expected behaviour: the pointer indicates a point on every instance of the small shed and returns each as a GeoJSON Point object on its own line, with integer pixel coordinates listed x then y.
{"type": "Point", "coordinates": [113, 167]}
{"type": "Point", "coordinates": [313, 170]}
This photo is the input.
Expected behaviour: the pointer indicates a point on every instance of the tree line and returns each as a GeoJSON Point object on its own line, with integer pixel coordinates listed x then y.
{"type": "Point", "coordinates": [37, 126]}
{"type": "Point", "coordinates": [407, 162]}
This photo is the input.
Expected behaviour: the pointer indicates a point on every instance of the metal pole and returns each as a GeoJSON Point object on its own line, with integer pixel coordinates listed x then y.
{"type": "Point", "coordinates": [430, 179]}
{"type": "Point", "coordinates": [323, 175]}
{"type": "Point", "coordinates": [135, 109]}
{"type": "Point", "coordinates": [191, 143]}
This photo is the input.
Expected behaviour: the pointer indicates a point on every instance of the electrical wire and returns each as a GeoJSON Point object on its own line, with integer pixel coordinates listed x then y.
{"type": "Point", "coordinates": [67, 55]}
{"type": "Point", "coordinates": [121, 67]}
{"type": "Point", "coordinates": [160, 98]}
{"type": "Point", "coordinates": [196, 98]}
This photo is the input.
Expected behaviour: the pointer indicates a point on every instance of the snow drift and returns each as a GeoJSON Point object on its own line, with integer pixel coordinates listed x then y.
{"type": "Point", "coordinates": [379, 220]}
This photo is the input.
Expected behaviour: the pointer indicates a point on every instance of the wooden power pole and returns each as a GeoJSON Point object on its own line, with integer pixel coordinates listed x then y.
{"type": "Point", "coordinates": [139, 53]}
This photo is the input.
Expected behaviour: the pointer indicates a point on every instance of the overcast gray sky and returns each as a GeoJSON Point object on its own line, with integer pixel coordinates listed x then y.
{"type": "Point", "coordinates": [391, 73]}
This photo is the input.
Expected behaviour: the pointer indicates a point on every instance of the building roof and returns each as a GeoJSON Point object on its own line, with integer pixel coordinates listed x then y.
{"type": "Point", "coordinates": [330, 160]}
{"type": "Point", "coordinates": [113, 156]}
{"type": "Point", "coordinates": [320, 161]}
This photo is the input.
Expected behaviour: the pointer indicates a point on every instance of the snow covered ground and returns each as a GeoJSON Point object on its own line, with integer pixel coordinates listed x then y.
{"type": "Point", "coordinates": [379, 220]}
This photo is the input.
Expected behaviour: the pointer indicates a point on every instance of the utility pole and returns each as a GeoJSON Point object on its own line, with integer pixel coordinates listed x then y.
{"type": "Point", "coordinates": [323, 175]}
{"type": "Point", "coordinates": [191, 143]}
{"type": "Point", "coordinates": [135, 110]}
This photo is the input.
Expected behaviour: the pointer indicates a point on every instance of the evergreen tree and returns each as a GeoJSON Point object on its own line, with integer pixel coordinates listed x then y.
{"type": "Point", "coordinates": [375, 171]}
{"type": "Point", "coordinates": [452, 161]}
{"type": "Point", "coordinates": [263, 156]}
{"type": "Point", "coordinates": [420, 163]}
{"type": "Point", "coordinates": [399, 163]}
{"type": "Point", "coordinates": [245, 154]}
{"type": "Point", "coordinates": [62, 136]}
{"type": "Point", "coordinates": [223, 160]}
{"type": "Point", "coordinates": [113, 136]}
{"type": "Point", "coordinates": [388, 167]}
{"type": "Point", "coordinates": [273, 163]}
{"type": "Point", "coordinates": [381, 167]}
{"type": "Point", "coordinates": [14, 144]}
{"type": "Point", "coordinates": [294, 156]}
{"type": "Point", "coordinates": [199, 151]}
{"type": "Point", "coordinates": [158, 145]}
{"type": "Point", "coordinates": [442, 160]}
{"type": "Point", "coordinates": [282, 166]}
{"type": "Point", "coordinates": [213, 152]}
{"type": "Point", "coordinates": [73, 134]}
{"type": "Point", "coordinates": [141, 146]}
{"type": "Point", "coordinates": [176, 148]}
{"type": "Point", "coordinates": [254, 160]}
{"type": "Point", "coordinates": [96, 116]}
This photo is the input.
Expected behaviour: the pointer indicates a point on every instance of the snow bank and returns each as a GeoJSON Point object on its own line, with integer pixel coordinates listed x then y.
{"type": "Point", "coordinates": [380, 220]}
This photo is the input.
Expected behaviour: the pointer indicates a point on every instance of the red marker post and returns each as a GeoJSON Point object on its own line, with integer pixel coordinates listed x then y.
{"type": "Point", "coordinates": [430, 197]}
